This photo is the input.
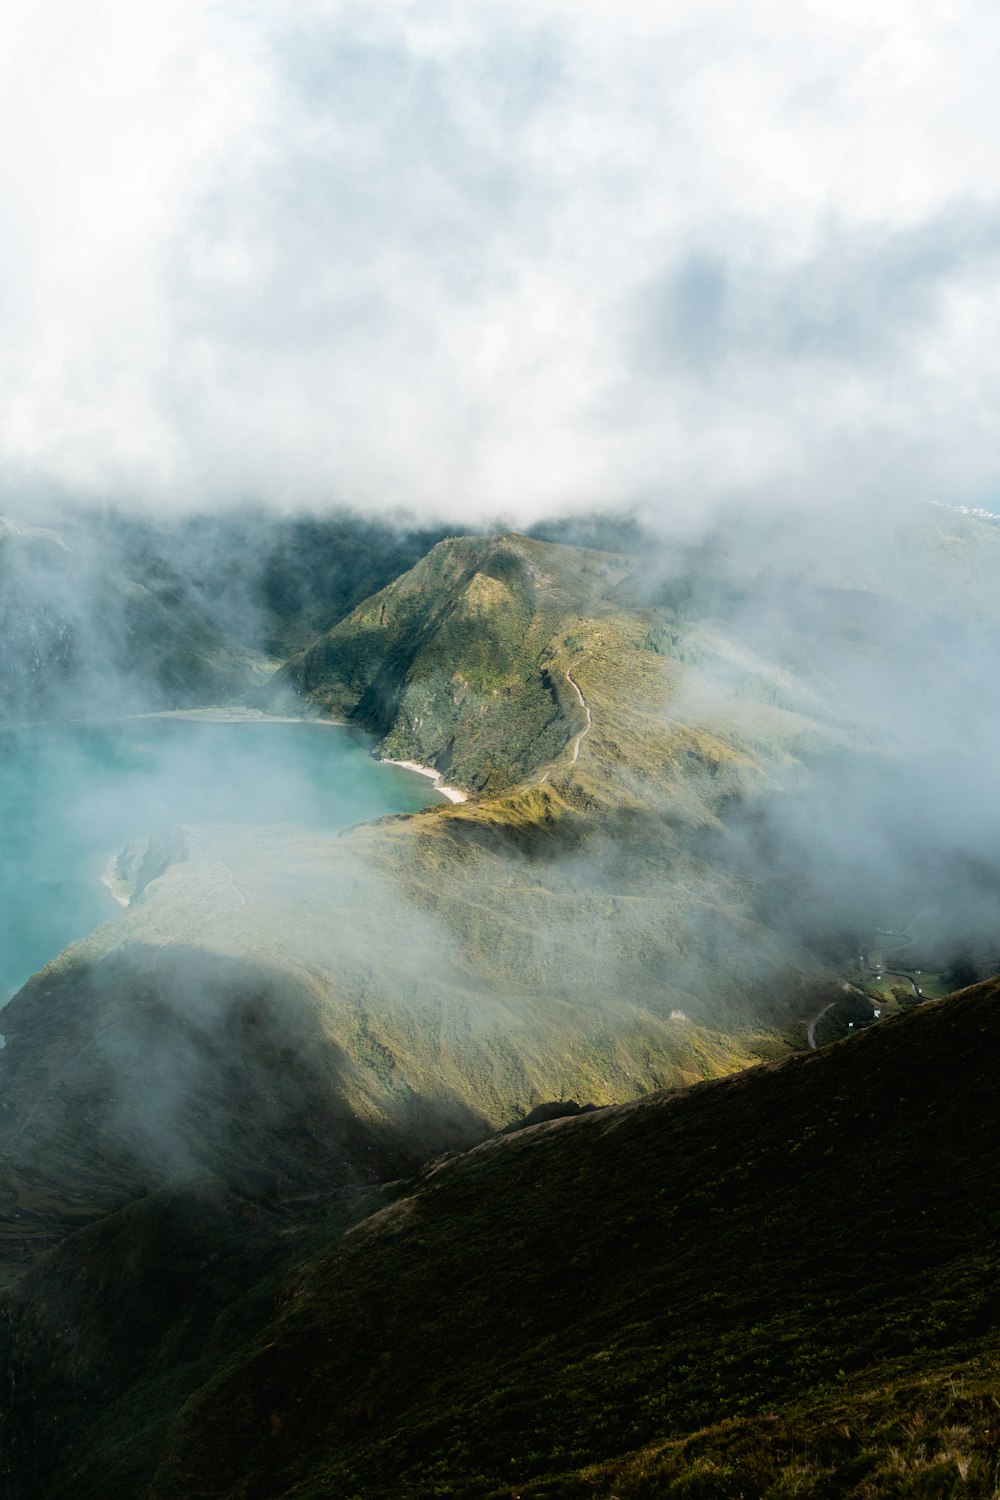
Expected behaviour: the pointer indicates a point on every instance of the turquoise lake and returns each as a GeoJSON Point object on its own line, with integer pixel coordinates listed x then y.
{"type": "Point", "coordinates": [71, 796]}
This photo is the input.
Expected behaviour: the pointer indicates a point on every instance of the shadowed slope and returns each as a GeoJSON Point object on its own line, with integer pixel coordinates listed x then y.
{"type": "Point", "coordinates": [129, 1316]}
{"type": "Point", "coordinates": [326, 1010]}
{"type": "Point", "coordinates": [788, 1249]}
{"type": "Point", "coordinates": [121, 1072]}
{"type": "Point", "coordinates": [575, 1290]}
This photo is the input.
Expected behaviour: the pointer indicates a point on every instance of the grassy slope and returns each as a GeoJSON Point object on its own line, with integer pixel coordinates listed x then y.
{"type": "Point", "coordinates": [373, 1002]}
{"type": "Point", "coordinates": [576, 912]}
{"type": "Point", "coordinates": [804, 1253]}
{"type": "Point", "coordinates": [106, 1337]}
{"type": "Point", "coordinates": [462, 664]}
{"type": "Point", "coordinates": [442, 973]}
{"type": "Point", "coordinates": [468, 663]}
{"type": "Point", "coordinates": [450, 662]}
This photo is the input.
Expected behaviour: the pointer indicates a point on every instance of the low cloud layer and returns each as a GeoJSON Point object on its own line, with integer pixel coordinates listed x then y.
{"type": "Point", "coordinates": [499, 260]}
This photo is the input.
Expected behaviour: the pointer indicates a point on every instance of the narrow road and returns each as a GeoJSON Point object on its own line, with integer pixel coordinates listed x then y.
{"type": "Point", "coordinates": [819, 1017]}
{"type": "Point", "coordinates": [855, 989]}
{"type": "Point", "coordinates": [900, 974]}
{"type": "Point", "coordinates": [586, 708]}
{"type": "Point", "coordinates": [884, 973]}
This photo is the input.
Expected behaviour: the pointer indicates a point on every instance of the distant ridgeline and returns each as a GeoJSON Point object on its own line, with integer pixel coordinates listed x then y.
{"type": "Point", "coordinates": [90, 632]}
{"type": "Point", "coordinates": [108, 614]}
{"type": "Point", "coordinates": [692, 783]}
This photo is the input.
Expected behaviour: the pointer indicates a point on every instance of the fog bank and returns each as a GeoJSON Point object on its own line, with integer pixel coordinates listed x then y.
{"type": "Point", "coordinates": [499, 262]}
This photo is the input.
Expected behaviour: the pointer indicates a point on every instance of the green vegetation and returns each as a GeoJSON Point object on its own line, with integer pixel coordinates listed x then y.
{"type": "Point", "coordinates": [230, 1275]}
{"type": "Point", "coordinates": [452, 664]}
{"type": "Point", "coordinates": [783, 1244]}
{"type": "Point", "coordinates": [774, 1284]}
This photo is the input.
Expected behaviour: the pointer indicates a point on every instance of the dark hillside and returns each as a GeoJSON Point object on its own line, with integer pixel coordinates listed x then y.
{"type": "Point", "coordinates": [805, 1254]}
{"type": "Point", "coordinates": [802, 1233]}
{"type": "Point", "coordinates": [109, 1335]}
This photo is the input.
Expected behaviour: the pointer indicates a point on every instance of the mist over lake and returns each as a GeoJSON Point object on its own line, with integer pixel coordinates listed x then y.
{"type": "Point", "coordinates": [71, 796]}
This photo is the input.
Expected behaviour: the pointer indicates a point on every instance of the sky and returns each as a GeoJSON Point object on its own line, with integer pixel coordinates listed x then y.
{"type": "Point", "coordinates": [513, 258]}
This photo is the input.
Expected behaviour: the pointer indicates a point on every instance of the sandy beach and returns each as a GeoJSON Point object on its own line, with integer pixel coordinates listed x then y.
{"type": "Point", "coordinates": [451, 792]}
{"type": "Point", "coordinates": [254, 716]}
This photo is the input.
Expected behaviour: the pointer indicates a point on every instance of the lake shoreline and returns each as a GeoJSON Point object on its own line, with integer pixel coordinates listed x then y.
{"type": "Point", "coordinates": [453, 793]}
{"type": "Point", "coordinates": [74, 795]}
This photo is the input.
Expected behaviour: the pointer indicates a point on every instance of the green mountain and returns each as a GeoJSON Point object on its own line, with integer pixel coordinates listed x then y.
{"type": "Point", "coordinates": [88, 634]}
{"type": "Point", "coordinates": [589, 925]}
{"type": "Point", "coordinates": [779, 1283]}
{"type": "Point", "coordinates": [484, 659]}
{"type": "Point", "coordinates": [103, 612]}
{"type": "Point", "coordinates": [689, 833]}
{"type": "Point", "coordinates": [458, 661]}
{"type": "Point", "coordinates": [423, 980]}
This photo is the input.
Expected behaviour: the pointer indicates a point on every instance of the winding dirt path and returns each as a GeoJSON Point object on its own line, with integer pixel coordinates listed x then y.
{"type": "Point", "coordinates": [586, 728]}
{"type": "Point", "coordinates": [902, 974]}
{"type": "Point", "coordinates": [232, 879]}
{"type": "Point", "coordinates": [586, 708]}
{"type": "Point", "coordinates": [855, 989]}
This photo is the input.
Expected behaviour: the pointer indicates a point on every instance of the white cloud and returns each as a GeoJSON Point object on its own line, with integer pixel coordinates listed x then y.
{"type": "Point", "coordinates": [504, 257]}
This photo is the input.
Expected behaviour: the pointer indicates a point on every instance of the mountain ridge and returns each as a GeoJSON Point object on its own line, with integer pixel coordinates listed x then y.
{"type": "Point", "coordinates": [560, 1341]}
{"type": "Point", "coordinates": [90, 634]}
{"type": "Point", "coordinates": [588, 1305]}
{"type": "Point", "coordinates": [283, 1030]}
{"type": "Point", "coordinates": [428, 663]}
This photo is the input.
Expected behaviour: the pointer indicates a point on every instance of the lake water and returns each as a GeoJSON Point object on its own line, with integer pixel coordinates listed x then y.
{"type": "Point", "coordinates": [71, 796]}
